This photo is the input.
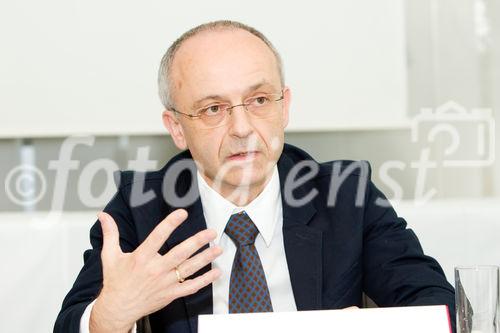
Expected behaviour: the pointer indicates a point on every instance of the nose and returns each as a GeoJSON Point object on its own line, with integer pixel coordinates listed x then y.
{"type": "Point", "coordinates": [239, 122]}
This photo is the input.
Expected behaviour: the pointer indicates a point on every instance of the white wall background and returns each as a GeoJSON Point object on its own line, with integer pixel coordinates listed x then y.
{"type": "Point", "coordinates": [74, 66]}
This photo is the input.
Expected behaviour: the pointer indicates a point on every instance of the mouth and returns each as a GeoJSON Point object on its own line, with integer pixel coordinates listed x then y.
{"type": "Point", "coordinates": [243, 156]}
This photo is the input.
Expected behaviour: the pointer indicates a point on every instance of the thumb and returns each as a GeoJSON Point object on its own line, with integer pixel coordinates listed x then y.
{"type": "Point", "coordinates": [110, 234]}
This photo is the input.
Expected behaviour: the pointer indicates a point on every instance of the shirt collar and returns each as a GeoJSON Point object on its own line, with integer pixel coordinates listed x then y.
{"type": "Point", "coordinates": [263, 210]}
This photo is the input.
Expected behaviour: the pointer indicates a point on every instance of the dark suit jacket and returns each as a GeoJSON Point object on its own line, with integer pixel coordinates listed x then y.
{"type": "Point", "coordinates": [334, 253]}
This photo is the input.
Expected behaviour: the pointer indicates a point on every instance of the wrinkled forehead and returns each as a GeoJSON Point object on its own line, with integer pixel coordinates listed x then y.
{"type": "Point", "coordinates": [221, 62]}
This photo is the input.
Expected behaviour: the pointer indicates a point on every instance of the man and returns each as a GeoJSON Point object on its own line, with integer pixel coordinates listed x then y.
{"type": "Point", "coordinates": [263, 227]}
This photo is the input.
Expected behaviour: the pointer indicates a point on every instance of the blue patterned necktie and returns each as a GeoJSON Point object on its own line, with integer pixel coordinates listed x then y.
{"type": "Point", "coordinates": [248, 290]}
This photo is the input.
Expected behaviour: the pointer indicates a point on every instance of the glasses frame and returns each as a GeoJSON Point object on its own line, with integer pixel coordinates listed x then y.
{"type": "Point", "coordinates": [228, 110]}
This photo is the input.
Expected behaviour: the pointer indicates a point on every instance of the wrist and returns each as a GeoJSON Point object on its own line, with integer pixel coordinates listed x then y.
{"type": "Point", "coordinates": [104, 318]}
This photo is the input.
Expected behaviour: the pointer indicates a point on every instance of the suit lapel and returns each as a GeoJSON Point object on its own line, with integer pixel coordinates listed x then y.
{"type": "Point", "coordinates": [303, 245]}
{"type": "Point", "coordinates": [200, 302]}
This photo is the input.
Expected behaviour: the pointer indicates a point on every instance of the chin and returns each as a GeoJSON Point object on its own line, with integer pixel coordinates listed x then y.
{"type": "Point", "coordinates": [246, 177]}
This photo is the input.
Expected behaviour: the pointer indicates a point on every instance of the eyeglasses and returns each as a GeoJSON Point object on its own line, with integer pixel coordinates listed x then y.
{"type": "Point", "coordinates": [258, 106]}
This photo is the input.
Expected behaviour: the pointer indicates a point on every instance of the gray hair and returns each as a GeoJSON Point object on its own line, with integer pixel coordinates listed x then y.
{"type": "Point", "coordinates": [164, 82]}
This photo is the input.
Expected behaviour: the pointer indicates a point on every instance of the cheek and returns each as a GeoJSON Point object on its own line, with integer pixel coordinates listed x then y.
{"type": "Point", "coordinates": [273, 136]}
{"type": "Point", "coordinates": [204, 146]}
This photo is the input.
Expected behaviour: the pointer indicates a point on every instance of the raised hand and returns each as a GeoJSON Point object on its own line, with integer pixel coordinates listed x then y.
{"type": "Point", "coordinates": [141, 282]}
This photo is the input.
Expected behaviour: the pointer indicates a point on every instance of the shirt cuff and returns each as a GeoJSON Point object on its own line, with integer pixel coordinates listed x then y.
{"type": "Point", "coordinates": [85, 320]}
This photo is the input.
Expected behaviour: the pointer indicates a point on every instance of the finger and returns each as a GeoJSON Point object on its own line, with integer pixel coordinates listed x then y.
{"type": "Point", "coordinates": [161, 232]}
{"type": "Point", "coordinates": [194, 264]}
{"type": "Point", "coordinates": [110, 234]}
{"type": "Point", "coordinates": [184, 250]}
{"type": "Point", "coordinates": [192, 286]}
{"type": "Point", "coordinates": [351, 308]}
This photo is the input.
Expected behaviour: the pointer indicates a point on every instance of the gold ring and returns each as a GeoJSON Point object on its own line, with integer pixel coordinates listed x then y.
{"type": "Point", "coordinates": [180, 279]}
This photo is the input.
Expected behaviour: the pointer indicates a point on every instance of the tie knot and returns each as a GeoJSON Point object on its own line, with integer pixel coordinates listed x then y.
{"type": "Point", "coordinates": [241, 229]}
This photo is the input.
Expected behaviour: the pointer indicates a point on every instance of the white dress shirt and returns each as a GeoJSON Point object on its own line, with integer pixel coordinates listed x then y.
{"type": "Point", "coordinates": [266, 212]}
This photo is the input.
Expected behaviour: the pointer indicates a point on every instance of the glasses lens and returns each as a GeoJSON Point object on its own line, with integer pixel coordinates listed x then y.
{"type": "Point", "coordinates": [262, 106]}
{"type": "Point", "coordinates": [214, 116]}
{"type": "Point", "coordinates": [259, 106]}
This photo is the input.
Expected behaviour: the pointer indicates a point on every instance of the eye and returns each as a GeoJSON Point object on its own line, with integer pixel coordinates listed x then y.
{"type": "Point", "coordinates": [259, 100]}
{"type": "Point", "coordinates": [213, 110]}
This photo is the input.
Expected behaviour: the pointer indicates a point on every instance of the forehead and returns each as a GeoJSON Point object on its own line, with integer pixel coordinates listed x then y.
{"type": "Point", "coordinates": [222, 62]}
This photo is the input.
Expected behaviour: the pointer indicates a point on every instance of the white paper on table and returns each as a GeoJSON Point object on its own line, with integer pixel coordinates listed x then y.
{"type": "Point", "coordinates": [414, 319]}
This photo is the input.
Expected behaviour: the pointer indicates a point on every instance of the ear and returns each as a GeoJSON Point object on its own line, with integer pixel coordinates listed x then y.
{"type": "Point", "coordinates": [287, 97]}
{"type": "Point", "coordinates": [174, 127]}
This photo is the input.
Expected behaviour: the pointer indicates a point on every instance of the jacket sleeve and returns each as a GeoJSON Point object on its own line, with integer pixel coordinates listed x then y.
{"type": "Point", "coordinates": [89, 281]}
{"type": "Point", "coordinates": [396, 270]}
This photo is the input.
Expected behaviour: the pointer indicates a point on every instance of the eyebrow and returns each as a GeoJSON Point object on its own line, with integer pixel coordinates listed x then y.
{"type": "Point", "coordinates": [253, 87]}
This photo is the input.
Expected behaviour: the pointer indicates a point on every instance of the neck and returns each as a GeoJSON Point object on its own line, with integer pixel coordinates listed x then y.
{"type": "Point", "coordinates": [240, 195]}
